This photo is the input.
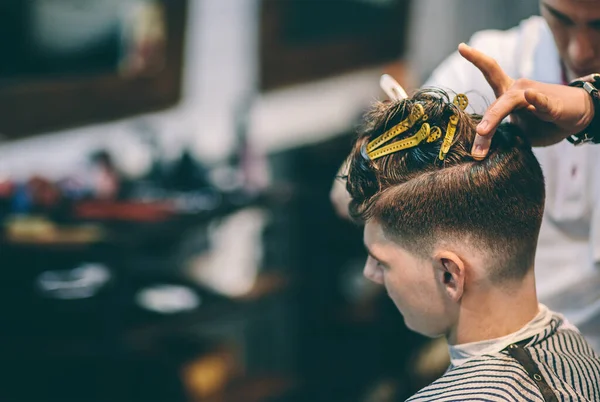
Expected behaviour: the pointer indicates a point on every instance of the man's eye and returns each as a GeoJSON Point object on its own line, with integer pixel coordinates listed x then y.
{"type": "Point", "coordinates": [563, 21]}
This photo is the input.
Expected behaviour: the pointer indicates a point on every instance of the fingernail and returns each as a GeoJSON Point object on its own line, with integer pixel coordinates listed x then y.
{"type": "Point", "coordinates": [483, 125]}
{"type": "Point", "coordinates": [478, 152]}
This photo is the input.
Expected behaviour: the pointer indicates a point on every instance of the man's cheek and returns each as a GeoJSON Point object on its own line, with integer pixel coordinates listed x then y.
{"type": "Point", "coordinates": [396, 295]}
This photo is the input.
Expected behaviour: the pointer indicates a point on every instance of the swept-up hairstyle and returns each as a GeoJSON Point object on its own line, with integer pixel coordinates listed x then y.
{"type": "Point", "coordinates": [495, 204]}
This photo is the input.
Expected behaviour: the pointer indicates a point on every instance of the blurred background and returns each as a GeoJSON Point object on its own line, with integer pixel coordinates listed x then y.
{"type": "Point", "coordinates": [165, 165]}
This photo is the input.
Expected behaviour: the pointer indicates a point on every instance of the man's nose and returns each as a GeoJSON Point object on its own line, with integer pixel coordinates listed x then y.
{"type": "Point", "coordinates": [581, 50]}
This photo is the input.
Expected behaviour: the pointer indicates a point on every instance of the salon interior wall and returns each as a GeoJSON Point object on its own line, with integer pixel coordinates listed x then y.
{"type": "Point", "coordinates": [221, 70]}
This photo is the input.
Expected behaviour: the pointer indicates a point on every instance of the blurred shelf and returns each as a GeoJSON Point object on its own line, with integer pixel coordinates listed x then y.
{"type": "Point", "coordinates": [259, 389]}
{"type": "Point", "coordinates": [267, 285]}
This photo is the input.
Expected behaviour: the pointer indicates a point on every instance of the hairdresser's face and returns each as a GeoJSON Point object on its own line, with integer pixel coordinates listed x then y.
{"type": "Point", "coordinates": [575, 25]}
{"type": "Point", "coordinates": [413, 284]}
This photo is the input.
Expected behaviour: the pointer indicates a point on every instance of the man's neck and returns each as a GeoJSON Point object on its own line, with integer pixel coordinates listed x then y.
{"type": "Point", "coordinates": [494, 312]}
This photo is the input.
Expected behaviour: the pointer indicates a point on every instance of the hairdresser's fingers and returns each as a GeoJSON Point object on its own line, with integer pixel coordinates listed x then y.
{"type": "Point", "coordinates": [491, 70]}
{"type": "Point", "coordinates": [546, 109]}
{"type": "Point", "coordinates": [498, 111]}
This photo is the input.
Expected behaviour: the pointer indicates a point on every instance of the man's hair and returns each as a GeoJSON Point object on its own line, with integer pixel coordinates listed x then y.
{"type": "Point", "coordinates": [495, 205]}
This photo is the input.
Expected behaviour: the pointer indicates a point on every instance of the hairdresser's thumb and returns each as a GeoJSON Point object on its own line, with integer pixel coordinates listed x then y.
{"type": "Point", "coordinates": [481, 146]}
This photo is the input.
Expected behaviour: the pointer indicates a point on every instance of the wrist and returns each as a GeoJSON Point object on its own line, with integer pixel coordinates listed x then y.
{"type": "Point", "coordinates": [590, 111]}
{"type": "Point", "coordinates": [591, 118]}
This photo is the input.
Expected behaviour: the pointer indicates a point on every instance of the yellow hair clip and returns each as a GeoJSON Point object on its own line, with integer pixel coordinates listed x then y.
{"type": "Point", "coordinates": [417, 113]}
{"type": "Point", "coordinates": [449, 137]}
{"type": "Point", "coordinates": [461, 101]}
{"type": "Point", "coordinates": [409, 142]}
{"type": "Point", "coordinates": [435, 133]}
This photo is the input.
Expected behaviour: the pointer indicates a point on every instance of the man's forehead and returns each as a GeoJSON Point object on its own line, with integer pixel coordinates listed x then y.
{"type": "Point", "coordinates": [373, 235]}
{"type": "Point", "coordinates": [376, 242]}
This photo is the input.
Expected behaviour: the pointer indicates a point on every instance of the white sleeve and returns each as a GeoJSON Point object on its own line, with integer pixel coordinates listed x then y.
{"type": "Point", "coordinates": [457, 75]}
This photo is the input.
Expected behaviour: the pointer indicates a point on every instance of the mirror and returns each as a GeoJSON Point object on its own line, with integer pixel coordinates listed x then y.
{"type": "Point", "coordinates": [73, 62]}
{"type": "Point", "coordinates": [304, 40]}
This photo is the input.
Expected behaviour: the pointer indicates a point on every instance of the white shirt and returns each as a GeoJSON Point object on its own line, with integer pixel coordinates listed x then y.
{"type": "Point", "coordinates": [568, 280]}
{"type": "Point", "coordinates": [484, 371]}
{"type": "Point", "coordinates": [460, 354]}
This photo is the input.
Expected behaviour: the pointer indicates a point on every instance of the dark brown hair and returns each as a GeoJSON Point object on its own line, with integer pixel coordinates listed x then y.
{"type": "Point", "coordinates": [495, 204]}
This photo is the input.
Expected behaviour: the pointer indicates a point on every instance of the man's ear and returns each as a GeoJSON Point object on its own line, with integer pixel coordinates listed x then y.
{"type": "Point", "coordinates": [451, 274]}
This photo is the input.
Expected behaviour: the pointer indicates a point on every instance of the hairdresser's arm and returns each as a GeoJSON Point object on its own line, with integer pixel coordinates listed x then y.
{"type": "Point", "coordinates": [548, 113]}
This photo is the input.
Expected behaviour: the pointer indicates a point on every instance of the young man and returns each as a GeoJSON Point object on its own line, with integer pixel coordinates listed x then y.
{"type": "Point", "coordinates": [453, 242]}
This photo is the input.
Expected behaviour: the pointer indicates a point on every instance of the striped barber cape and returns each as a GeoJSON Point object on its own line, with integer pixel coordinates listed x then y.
{"type": "Point", "coordinates": [556, 364]}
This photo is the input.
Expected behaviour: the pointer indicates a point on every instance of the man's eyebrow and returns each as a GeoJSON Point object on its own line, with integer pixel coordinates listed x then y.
{"type": "Point", "coordinates": [558, 14]}
{"type": "Point", "coordinates": [371, 253]}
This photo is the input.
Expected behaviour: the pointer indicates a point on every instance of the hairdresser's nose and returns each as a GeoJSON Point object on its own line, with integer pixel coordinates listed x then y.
{"type": "Point", "coordinates": [581, 52]}
{"type": "Point", "coordinates": [372, 272]}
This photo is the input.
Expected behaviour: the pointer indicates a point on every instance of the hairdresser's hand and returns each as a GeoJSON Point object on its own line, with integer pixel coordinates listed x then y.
{"type": "Point", "coordinates": [547, 113]}
{"type": "Point", "coordinates": [339, 196]}
{"type": "Point", "coordinates": [340, 199]}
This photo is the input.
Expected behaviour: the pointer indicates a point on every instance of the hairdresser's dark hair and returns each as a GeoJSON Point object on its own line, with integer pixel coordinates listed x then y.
{"type": "Point", "coordinates": [495, 204]}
